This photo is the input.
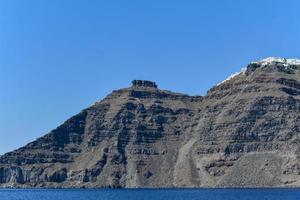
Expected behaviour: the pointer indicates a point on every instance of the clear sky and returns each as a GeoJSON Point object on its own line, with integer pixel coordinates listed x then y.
{"type": "Point", "coordinates": [59, 56]}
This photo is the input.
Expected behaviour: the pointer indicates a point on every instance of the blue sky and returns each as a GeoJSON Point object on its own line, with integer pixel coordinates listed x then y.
{"type": "Point", "coordinates": [59, 56]}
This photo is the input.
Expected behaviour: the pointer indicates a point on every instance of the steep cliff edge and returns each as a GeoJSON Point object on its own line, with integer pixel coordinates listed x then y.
{"type": "Point", "coordinates": [243, 133]}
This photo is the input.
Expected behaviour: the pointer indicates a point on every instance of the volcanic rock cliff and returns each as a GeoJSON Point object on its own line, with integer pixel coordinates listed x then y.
{"type": "Point", "coordinates": [243, 133]}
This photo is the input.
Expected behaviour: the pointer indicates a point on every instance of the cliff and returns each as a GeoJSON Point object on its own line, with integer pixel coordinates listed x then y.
{"type": "Point", "coordinates": [243, 133]}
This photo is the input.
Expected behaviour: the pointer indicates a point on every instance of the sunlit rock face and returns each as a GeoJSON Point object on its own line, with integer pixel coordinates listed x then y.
{"type": "Point", "coordinates": [243, 133]}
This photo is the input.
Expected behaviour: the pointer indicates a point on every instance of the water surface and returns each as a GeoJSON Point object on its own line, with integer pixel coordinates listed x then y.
{"type": "Point", "coordinates": [145, 194]}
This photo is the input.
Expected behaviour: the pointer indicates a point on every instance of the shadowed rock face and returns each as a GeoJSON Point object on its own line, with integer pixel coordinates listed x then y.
{"type": "Point", "coordinates": [243, 133]}
{"type": "Point", "coordinates": [143, 83]}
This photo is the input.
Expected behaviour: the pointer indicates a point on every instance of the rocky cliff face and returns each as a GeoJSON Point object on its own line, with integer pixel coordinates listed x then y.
{"type": "Point", "coordinates": [243, 133]}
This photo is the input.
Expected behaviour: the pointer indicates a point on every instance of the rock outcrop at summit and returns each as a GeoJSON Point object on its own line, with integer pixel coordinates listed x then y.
{"type": "Point", "coordinates": [243, 133]}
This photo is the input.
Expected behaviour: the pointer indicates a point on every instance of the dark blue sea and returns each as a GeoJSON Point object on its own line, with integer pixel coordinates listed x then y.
{"type": "Point", "coordinates": [145, 194]}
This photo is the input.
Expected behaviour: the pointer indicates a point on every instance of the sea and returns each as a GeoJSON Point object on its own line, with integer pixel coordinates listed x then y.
{"type": "Point", "coordinates": [145, 194]}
